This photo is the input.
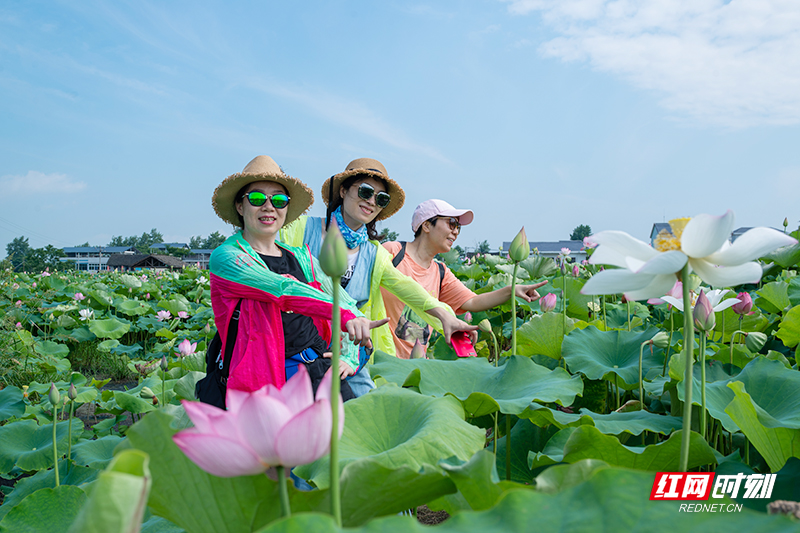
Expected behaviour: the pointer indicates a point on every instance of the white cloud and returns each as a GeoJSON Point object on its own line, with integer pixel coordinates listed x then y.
{"type": "Point", "coordinates": [730, 63]}
{"type": "Point", "coordinates": [38, 182]}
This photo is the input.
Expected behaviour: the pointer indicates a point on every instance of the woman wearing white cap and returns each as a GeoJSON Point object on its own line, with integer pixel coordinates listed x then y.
{"type": "Point", "coordinates": [356, 199]}
{"type": "Point", "coordinates": [436, 226]}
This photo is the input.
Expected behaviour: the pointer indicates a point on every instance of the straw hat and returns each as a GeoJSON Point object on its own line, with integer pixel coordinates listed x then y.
{"type": "Point", "coordinates": [368, 168]}
{"type": "Point", "coordinates": [262, 168]}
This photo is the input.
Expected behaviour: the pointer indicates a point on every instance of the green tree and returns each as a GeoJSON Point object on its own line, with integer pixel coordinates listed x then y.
{"type": "Point", "coordinates": [16, 252]}
{"type": "Point", "coordinates": [39, 259]}
{"type": "Point", "coordinates": [196, 242]}
{"type": "Point", "coordinates": [580, 232]}
{"type": "Point", "coordinates": [483, 248]}
{"type": "Point", "coordinates": [387, 235]}
{"type": "Point", "coordinates": [142, 243]}
{"type": "Point", "coordinates": [214, 240]}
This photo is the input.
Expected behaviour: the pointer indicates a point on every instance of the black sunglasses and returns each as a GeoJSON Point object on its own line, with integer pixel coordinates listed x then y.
{"type": "Point", "coordinates": [258, 198]}
{"type": "Point", "coordinates": [453, 222]}
{"type": "Point", "coordinates": [365, 192]}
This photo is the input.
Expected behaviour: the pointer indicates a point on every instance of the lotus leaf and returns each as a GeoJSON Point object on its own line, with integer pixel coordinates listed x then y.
{"type": "Point", "coordinates": [46, 479]}
{"type": "Point", "coordinates": [397, 427]}
{"type": "Point", "coordinates": [174, 305]}
{"type": "Point", "coordinates": [110, 328]}
{"type": "Point", "coordinates": [133, 307]}
{"type": "Point", "coordinates": [480, 386]}
{"type": "Point", "coordinates": [587, 442]}
{"type": "Point", "coordinates": [772, 438]}
{"type": "Point", "coordinates": [772, 386]}
{"type": "Point", "coordinates": [597, 354]}
{"type": "Point", "coordinates": [786, 256]}
{"type": "Point", "coordinates": [577, 303]}
{"type": "Point", "coordinates": [539, 267]}
{"type": "Point", "coordinates": [633, 422]}
{"type": "Point", "coordinates": [789, 331]}
{"type": "Point", "coordinates": [526, 439]}
{"type": "Point", "coordinates": [543, 335]}
{"type": "Point", "coordinates": [47, 509]}
{"type": "Point", "coordinates": [776, 294]}
{"type": "Point", "coordinates": [11, 403]}
{"type": "Point", "coordinates": [29, 446]}
{"type": "Point", "coordinates": [611, 500]}
{"type": "Point", "coordinates": [51, 348]}
{"type": "Point", "coordinates": [95, 453]}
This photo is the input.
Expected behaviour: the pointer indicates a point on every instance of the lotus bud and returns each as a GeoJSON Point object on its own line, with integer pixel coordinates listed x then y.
{"type": "Point", "coordinates": [207, 329]}
{"type": "Point", "coordinates": [418, 351]}
{"type": "Point", "coordinates": [485, 326]}
{"type": "Point", "coordinates": [333, 254]}
{"type": "Point", "coordinates": [53, 395]}
{"type": "Point", "coordinates": [147, 392]}
{"type": "Point", "coordinates": [520, 248]}
{"type": "Point", "coordinates": [745, 305]}
{"type": "Point", "coordinates": [704, 319]}
{"type": "Point", "coordinates": [164, 364]}
{"type": "Point", "coordinates": [576, 270]}
{"type": "Point", "coordinates": [548, 302]}
{"type": "Point", "coordinates": [72, 392]}
{"type": "Point", "coordinates": [785, 223]}
{"type": "Point", "coordinates": [661, 340]}
{"type": "Point", "coordinates": [468, 317]}
{"type": "Point", "coordinates": [755, 340]}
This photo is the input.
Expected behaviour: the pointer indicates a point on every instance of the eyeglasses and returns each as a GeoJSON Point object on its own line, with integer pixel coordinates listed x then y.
{"type": "Point", "coordinates": [258, 198]}
{"type": "Point", "coordinates": [453, 222]}
{"type": "Point", "coordinates": [365, 192]}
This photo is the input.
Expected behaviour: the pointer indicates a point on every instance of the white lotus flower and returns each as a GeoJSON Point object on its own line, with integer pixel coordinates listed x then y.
{"type": "Point", "coordinates": [714, 298]}
{"type": "Point", "coordinates": [86, 314]}
{"type": "Point", "coordinates": [647, 272]}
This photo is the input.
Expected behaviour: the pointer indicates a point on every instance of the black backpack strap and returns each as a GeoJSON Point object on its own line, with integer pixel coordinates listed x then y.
{"type": "Point", "coordinates": [400, 255]}
{"type": "Point", "coordinates": [441, 276]}
{"type": "Point", "coordinates": [233, 331]}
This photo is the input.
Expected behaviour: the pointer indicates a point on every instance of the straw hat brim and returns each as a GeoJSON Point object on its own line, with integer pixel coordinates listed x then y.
{"type": "Point", "coordinates": [301, 196]}
{"type": "Point", "coordinates": [395, 191]}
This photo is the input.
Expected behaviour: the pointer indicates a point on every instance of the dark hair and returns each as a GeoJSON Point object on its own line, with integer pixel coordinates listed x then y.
{"type": "Point", "coordinates": [335, 200]}
{"type": "Point", "coordinates": [419, 229]}
{"type": "Point", "coordinates": [239, 198]}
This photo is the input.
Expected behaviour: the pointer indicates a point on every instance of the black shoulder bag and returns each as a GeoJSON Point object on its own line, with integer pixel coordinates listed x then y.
{"type": "Point", "coordinates": [212, 388]}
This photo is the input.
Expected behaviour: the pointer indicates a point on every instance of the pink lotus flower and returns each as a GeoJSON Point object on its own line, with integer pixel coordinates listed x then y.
{"type": "Point", "coordinates": [745, 305]}
{"type": "Point", "coordinates": [45, 274]}
{"type": "Point", "coordinates": [703, 313]}
{"type": "Point", "coordinates": [565, 252]}
{"type": "Point", "coordinates": [468, 317]}
{"type": "Point", "coordinates": [15, 286]}
{"type": "Point", "coordinates": [78, 297]}
{"type": "Point", "coordinates": [268, 427]}
{"type": "Point", "coordinates": [163, 315]}
{"type": "Point", "coordinates": [548, 302]}
{"type": "Point", "coordinates": [186, 348]}
{"type": "Point", "coordinates": [183, 314]}
{"type": "Point", "coordinates": [34, 285]}
{"type": "Point", "coordinates": [589, 243]}
{"type": "Point", "coordinates": [418, 351]}
{"type": "Point", "coordinates": [18, 325]}
{"type": "Point", "coordinates": [675, 292]}
{"type": "Point", "coordinates": [18, 303]}
{"type": "Point", "coordinates": [147, 296]}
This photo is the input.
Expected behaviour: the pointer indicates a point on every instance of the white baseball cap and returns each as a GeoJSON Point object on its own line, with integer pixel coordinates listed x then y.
{"type": "Point", "coordinates": [438, 208]}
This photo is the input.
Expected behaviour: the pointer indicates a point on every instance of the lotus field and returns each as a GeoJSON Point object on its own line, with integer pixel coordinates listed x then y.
{"type": "Point", "coordinates": [677, 357]}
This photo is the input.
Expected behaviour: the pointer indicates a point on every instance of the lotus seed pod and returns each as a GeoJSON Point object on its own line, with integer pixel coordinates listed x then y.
{"type": "Point", "coordinates": [333, 254]}
{"type": "Point", "coordinates": [485, 326]}
{"type": "Point", "coordinates": [520, 248]}
{"type": "Point", "coordinates": [755, 340]}
{"type": "Point", "coordinates": [147, 392]}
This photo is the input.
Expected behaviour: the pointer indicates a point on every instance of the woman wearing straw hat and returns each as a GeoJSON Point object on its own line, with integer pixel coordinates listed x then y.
{"type": "Point", "coordinates": [283, 312]}
{"type": "Point", "coordinates": [357, 198]}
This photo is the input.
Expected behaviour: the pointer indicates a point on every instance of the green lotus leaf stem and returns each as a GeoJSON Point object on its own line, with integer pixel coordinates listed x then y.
{"type": "Point", "coordinates": [605, 322]}
{"type": "Point", "coordinates": [283, 491]}
{"type": "Point", "coordinates": [494, 436]}
{"type": "Point", "coordinates": [54, 398]}
{"type": "Point", "coordinates": [336, 326]}
{"type": "Point", "coordinates": [616, 388]}
{"type": "Point", "coordinates": [702, 384]}
{"type": "Point", "coordinates": [72, 394]}
{"type": "Point", "coordinates": [669, 344]}
{"type": "Point", "coordinates": [514, 310]}
{"type": "Point", "coordinates": [688, 350]}
{"type": "Point", "coordinates": [641, 380]}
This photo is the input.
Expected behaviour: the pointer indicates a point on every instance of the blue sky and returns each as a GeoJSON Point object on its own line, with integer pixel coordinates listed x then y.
{"type": "Point", "coordinates": [118, 117]}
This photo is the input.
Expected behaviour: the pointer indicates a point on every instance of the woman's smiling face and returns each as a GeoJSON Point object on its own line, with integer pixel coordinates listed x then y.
{"type": "Point", "coordinates": [357, 211]}
{"type": "Point", "coordinates": [265, 220]}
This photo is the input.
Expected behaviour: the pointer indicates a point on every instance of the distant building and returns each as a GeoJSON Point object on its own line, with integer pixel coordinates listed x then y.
{"type": "Point", "coordinates": [552, 249]}
{"type": "Point", "coordinates": [164, 245]}
{"type": "Point", "coordinates": [94, 258]}
{"type": "Point", "coordinates": [128, 262]}
{"type": "Point", "coordinates": [198, 257]}
{"type": "Point", "coordinates": [657, 227]}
